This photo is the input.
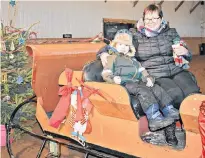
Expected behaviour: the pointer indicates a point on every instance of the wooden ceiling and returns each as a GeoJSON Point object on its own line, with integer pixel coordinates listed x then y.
{"type": "Point", "coordinates": [197, 3]}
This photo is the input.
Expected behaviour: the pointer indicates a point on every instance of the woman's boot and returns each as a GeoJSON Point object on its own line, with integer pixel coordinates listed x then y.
{"type": "Point", "coordinates": [170, 136]}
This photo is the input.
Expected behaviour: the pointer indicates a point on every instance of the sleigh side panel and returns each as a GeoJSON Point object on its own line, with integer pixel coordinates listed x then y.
{"type": "Point", "coordinates": [49, 60]}
{"type": "Point", "coordinates": [189, 111]}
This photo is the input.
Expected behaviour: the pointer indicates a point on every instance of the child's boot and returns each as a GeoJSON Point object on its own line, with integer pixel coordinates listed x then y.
{"type": "Point", "coordinates": [170, 136]}
{"type": "Point", "coordinates": [155, 119]}
{"type": "Point", "coordinates": [170, 111]}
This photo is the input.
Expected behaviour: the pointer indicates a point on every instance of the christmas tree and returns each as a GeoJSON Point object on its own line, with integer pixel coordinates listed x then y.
{"type": "Point", "coordinates": [16, 70]}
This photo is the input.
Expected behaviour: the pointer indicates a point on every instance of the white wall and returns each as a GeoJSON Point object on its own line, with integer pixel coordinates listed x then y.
{"type": "Point", "coordinates": [84, 19]}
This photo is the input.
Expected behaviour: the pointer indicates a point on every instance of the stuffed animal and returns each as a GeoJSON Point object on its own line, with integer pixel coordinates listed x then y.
{"type": "Point", "coordinates": [180, 60]}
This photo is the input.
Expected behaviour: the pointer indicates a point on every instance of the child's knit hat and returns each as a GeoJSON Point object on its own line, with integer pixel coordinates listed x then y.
{"type": "Point", "coordinates": [123, 36]}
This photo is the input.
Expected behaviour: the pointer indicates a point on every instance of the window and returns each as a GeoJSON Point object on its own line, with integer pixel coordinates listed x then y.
{"type": "Point", "coordinates": [111, 26]}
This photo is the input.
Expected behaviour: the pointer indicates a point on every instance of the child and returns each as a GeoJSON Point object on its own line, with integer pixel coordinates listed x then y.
{"type": "Point", "coordinates": [122, 68]}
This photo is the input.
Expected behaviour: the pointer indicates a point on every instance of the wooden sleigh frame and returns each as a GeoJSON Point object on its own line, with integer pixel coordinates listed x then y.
{"type": "Point", "coordinates": [115, 129]}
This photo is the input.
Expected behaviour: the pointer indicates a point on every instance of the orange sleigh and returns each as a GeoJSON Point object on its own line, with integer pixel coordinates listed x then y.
{"type": "Point", "coordinates": [114, 126]}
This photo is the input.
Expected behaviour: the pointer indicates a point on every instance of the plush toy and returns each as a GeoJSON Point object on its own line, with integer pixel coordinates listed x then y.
{"type": "Point", "coordinates": [79, 127]}
{"type": "Point", "coordinates": [180, 60]}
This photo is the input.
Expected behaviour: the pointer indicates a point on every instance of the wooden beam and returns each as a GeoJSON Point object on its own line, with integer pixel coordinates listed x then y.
{"type": "Point", "coordinates": [179, 5]}
{"type": "Point", "coordinates": [123, 21]}
{"type": "Point", "coordinates": [160, 3]}
{"type": "Point", "coordinates": [194, 7]}
{"type": "Point", "coordinates": [135, 3]}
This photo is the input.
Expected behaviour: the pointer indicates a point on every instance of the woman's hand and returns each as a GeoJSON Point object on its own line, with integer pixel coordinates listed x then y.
{"type": "Point", "coordinates": [117, 79]}
{"type": "Point", "coordinates": [179, 50]}
{"type": "Point", "coordinates": [103, 58]}
{"type": "Point", "coordinates": [140, 23]}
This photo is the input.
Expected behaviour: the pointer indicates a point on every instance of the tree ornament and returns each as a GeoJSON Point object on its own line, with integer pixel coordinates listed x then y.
{"type": "Point", "coordinates": [11, 56]}
{"type": "Point", "coordinates": [12, 48]}
{"type": "Point", "coordinates": [6, 98]}
{"type": "Point", "coordinates": [12, 3]}
{"type": "Point", "coordinates": [21, 41]}
{"type": "Point", "coordinates": [19, 80]}
{"type": "Point", "coordinates": [4, 77]}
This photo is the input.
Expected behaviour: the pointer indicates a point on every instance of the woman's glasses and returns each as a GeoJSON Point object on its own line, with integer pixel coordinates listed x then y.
{"type": "Point", "coordinates": [151, 20]}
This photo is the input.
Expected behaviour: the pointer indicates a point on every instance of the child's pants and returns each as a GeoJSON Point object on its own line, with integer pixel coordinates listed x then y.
{"type": "Point", "coordinates": [148, 96]}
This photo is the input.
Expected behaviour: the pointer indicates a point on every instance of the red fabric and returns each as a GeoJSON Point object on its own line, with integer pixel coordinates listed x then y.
{"type": "Point", "coordinates": [201, 120]}
{"type": "Point", "coordinates": [62, 108]}
{"type": "Point", "coordinates": [87, 104]}
{"type": "Point", "coordinates": [89, 91]}
{"type": "Point", "coordinates": [88, 128]}
{"type": "Point", "coordinates": [178, 60]}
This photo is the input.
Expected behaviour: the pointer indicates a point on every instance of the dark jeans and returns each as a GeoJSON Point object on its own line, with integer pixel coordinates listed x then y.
{"type": "Point", "coordinates": [179, 86]}
{"type": "Point", "coordinates": [148, 96]}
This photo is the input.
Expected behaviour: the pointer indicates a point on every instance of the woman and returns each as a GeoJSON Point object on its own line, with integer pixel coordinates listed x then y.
{"type": "Point", "coordinates": [153, 41]}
